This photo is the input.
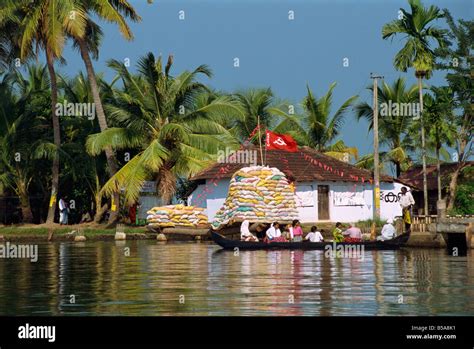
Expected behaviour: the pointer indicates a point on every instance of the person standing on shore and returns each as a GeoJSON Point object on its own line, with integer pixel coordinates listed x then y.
{"type": "Point", "coordinates": [406, 203]}
{"type": "Point", "coordinates": [63, 211]}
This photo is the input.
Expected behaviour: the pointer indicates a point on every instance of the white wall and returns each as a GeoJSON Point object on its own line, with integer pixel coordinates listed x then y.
{"type": "Point", "coordinates": [216, 195]}
{"type": "Point", "coordinates": [307, 213]}
{"type": "Point", "coordinates": [389, 205]}
{"type": "Point", "coordinates": [350, 213]}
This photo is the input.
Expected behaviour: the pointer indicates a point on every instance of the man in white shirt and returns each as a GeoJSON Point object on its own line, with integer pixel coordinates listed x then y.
{"type": "Point", "coordinates": [245, 234]}
{"type": "Point", "coordinates": [314, 235]}
{"type": "Point", "coordinates": [63, 211]}
{"type": "Point", "coordinates": [406, 203]}
{"type": "Point", "coordinates": [274, 231]}
{"type": "Point", "coordinates": [388, 231]}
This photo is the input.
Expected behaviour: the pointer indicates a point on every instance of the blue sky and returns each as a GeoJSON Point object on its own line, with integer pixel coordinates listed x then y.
{"type": "Point", "coordinates": [273, 51]}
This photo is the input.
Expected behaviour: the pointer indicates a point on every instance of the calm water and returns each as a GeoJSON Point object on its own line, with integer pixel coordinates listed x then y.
{"type": "Point", "coordinates": [156, 277]}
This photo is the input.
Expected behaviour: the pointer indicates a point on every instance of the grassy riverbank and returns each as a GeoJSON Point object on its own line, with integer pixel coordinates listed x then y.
{"type": "Point", "coordinates": [54, 232]}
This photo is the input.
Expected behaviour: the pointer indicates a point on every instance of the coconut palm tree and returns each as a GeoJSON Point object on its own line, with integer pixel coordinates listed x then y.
{"type": "Point", "coordinates": [418, 29]}
{"type": "Point", "coordinates": [258, 105]}
{"type": "Point", "coordinates": [115, 11]}
{"type": "Point", "coordinates": [23, 129]}
{"type": "Point", "coordinates": [456, 58]}
{"type": "Point", "coordinates": [440, 124]}
{"type": "Point", "coordinates": [83, 169]}
{"type": "Point", "coordinates": [319, 129]}
{"type": "Point", "coordinates": [173, 123]}
{"type": "Point", "coordinates": [45, 24]}
{"type": "Point", "coordinates": [394, 125]}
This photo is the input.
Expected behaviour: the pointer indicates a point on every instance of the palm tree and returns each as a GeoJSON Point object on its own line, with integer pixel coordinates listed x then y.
{"type": "Point", "coordinates": [456, 58]}
{"type": "Point", "coordinates": [418, 29]}
{"type": "Point", "coordinates": [440, 118]}
{"type": "Point", "coordinates": [257, 105]}
{"type": "Point", "coordinates": [318, 129]}
{"type": "Point", "coordinates": [394, 126]}
{"type": "Point", "coordinates": [45, 24]}
{"type": "Point", "coordinates": [173, 123]}
{"type": "Point", "coordinates": [23, 128]}
{"type": "Point", "coordinates": [114, 11]}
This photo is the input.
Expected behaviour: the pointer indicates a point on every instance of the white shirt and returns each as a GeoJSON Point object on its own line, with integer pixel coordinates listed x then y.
{"type": "Point", "coordinates": [406, 200]}
{"type": "Point", "coordinates": [273, 233]}
{"type": "Point", "coordinates": [388, 231]}
{"type": "Point", "coordinates": [244, 229]}
{"type": "Point", "coordinates": [62, 205]}
{"type": "Point", "coordinates": [314, 237]}
{"type": "Point", "coordinates": [291, 233]}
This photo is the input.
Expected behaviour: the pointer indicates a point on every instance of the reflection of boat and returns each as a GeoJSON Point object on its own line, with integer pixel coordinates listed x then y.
{"type": "Point", "coordinates": [229, 244]}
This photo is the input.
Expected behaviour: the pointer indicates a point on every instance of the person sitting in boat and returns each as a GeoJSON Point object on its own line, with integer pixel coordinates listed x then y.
{"type": "Point", "coordinates": [297, 231]}
{"type": "Point", "coordinates": [274, 233]}
{"type": "Point", "coordinates": [261, 231]}
{"type": "Point", "coordinates": [314, 235]}
{"type": "Point", "coordinates": [337, 233]}
{"type": "Point", "coordinates": [353, 234]}
{"type": "Point", "coordinates": [388, 231]}
{"type": "Point", "coordinates": [288, 232]}
{"type": "Point", "coordinates": [245, 234]}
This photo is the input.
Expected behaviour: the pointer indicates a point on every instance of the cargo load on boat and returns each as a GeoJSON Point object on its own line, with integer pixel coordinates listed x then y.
{"type": "Point", "coordinates": [258, 194]}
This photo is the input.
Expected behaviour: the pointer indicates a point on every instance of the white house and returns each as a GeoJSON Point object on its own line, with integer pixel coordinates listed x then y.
{"type": "Point", "coordinates": [326, 189]}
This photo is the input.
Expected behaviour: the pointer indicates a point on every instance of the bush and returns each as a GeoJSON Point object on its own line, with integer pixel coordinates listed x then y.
{"type": "Point", "coordinates": [464, 201]}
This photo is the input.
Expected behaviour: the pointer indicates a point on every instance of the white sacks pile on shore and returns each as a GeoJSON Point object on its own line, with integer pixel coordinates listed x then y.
{"type": "Point", "coordinates": [177, 216]}
{"type": "Point", "coordinates": [258, 194]}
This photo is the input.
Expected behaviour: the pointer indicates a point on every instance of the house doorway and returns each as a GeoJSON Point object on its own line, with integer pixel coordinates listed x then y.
{"type": "Point", "coordinates": [323, 202]}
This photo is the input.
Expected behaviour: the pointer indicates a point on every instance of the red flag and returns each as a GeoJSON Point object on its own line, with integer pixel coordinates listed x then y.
{"type": "Point", "coordinates": [280, 142]}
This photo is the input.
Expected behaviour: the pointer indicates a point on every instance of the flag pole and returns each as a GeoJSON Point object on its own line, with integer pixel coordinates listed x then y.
{"type": "Point", "coordinates": [260, 139]}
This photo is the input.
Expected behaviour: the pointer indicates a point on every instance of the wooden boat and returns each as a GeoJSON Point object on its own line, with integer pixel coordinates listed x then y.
{"type": "Point", "coordinates": [229, 244]}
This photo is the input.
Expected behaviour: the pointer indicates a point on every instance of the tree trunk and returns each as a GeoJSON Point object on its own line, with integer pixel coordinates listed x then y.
{"type": "Point", "coordinates": [452, 188]}
{"type": "Point", "coordinates": [398, 169]}
{"type": "Point", "coordinates": [57, 137]}
{"type": "Point", "coordinates": [453, 184]}
{"type": "Point", "coordinates": [438, 170]}
{"type": "Point", "coordinates": [109, 154]}
{"type": "Point", "coordinates": [423, 147]}
{"type": "Point", "coordinates": [25, 206]}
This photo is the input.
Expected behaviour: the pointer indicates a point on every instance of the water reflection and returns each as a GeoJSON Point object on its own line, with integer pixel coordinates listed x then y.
{"type": "Point", "coordinates": [150, 278]}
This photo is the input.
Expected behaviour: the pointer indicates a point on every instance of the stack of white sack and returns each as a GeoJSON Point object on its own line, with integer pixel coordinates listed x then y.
{"type": "Point", "coordinates": [257, 194]}
{"type": "Point", "coordinates": [177, 216]}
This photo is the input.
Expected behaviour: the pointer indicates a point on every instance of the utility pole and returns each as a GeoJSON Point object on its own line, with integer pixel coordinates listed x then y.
{"type": "Point", "coordinates": [260, 140]}
{"type": "Point", "coordinates": [375, 128]}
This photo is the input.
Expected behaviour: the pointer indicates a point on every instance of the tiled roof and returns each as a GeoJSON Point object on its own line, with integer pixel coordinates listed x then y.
{"type": "Point", "coordinates": [297, 166]}
{"type": "Point", "coordinates": [414, 176]}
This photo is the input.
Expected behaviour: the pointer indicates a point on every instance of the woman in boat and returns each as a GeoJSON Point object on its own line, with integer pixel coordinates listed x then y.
{"type": "Point", "coordinates": [314, 235]}
{"type": "Point", "coordinates": [274, 233]}
{"type": "Point", "coordinates": [337, 233]}
{"type": "Point", "coordinates": [245, 234]}
{"type": "Point", "coordinates": [353, 234]}
{"type": "Point", "coordinates": [297, 235]}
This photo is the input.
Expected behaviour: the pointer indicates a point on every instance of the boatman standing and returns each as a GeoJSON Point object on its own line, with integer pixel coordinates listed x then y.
{"type": "Point", "coordinates": [406, 202]}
